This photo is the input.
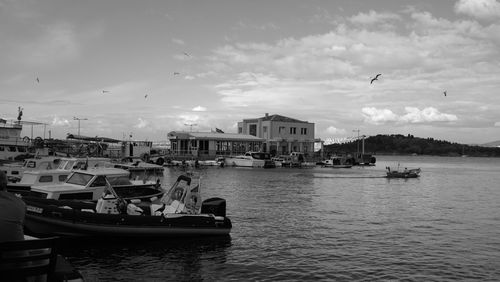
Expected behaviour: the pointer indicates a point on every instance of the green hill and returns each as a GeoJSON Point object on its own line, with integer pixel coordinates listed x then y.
{"type": "Point", "coordinates": [408, 145]}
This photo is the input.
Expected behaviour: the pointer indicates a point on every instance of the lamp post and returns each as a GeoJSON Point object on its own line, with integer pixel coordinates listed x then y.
{"type": "Point", "coordinates": [79, 119]}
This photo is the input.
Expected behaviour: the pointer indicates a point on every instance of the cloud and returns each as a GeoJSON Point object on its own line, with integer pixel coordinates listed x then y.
{"type": "Point", "coordinates": [413, 115]}
{"type": "Point", "coordinates": [373, 17]}
{"type": "Point", "coordinates": [482, 9]}
{"type": "Point", "coordinates": [430, 114]}
{"type": "Point", "coordinates": [199, 109]}
{"type": "Point", "coordinates": [335, 131]}
{"type": "Point", "coordinates": [178, 41]}
{"type": "Point", "coordinates": [376, 116]}
{"type": "Point", "coordinates": [56, 121]}
{"type": "Point", "coordinates": [142, 123]}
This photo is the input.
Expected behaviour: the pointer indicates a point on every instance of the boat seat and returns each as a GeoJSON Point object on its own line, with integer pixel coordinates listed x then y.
{"type": "Point", "coordinates": [145, 206]}
{"type": "Point", "coordinates": [28, 258]}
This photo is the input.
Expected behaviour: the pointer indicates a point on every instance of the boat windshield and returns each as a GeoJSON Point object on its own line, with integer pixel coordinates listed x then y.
{"type": "Point", "coordinates": [261, 156]}
{"type": "Point", "coordinates": [119, 180]}
{"type": "Point", "coordinates": [79, 179]}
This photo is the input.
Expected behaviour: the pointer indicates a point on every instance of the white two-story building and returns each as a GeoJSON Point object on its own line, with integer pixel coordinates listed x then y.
{"type": "Point", "coordinates": [282, 135]}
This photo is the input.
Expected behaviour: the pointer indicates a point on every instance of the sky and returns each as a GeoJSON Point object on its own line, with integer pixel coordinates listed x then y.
{"type": "Point", "coordinates": [140, 69]}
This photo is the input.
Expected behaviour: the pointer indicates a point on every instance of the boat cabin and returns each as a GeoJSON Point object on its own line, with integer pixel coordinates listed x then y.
{"type": "Point", "coordinates": [91, 184]}
{"type": "Point", "coordinates": [15, 171]}
{"type": "Point", "coordinates": [38, 178]}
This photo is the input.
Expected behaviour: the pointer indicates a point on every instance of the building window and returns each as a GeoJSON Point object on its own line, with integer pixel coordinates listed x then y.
{"type": "Point", "coordinates": [240, 130]}
{"type": "Point", "coordinates": [281, 129]}
{"type": "Point", "coordinates": [264, 129]}
{"type": "Point", "coordinates": [303, 131]}
{"type": "Point", "coordinates": [253, 129]}
{"type": "Point", "coordinates": [293, 130]}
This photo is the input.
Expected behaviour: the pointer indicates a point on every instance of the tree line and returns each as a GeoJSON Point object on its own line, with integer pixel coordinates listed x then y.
{"type": "Point", "coordinates": [398, 144]}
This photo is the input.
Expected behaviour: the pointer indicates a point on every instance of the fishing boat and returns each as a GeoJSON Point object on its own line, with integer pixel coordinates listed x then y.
{"type": "Point", "coordinates": [406, 173]}
{"type": "Point", "coordinates": [179, 213]}
{"type": "Point", "coordinates": [251, 159]}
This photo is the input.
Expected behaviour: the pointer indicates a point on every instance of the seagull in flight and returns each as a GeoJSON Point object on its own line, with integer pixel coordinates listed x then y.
{"type": "Point", "coordinates": [176, 73]}
{"type": "Point", "coordinates": [444, 93]}
{"type": "Point", "coordinates": [375, 78]}
{"type": "Point", "coordinates": [37, 80]}
{"type": "Point", "coordinates": [105, 91]}
{"type": "Point", "coordinates": [145, 96]}
{"type": "Point", "coordinates": [187, 54]}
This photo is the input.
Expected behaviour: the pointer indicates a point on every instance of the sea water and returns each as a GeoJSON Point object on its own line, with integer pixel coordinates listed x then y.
{"type": "Point", "coordinates": [326, 224]}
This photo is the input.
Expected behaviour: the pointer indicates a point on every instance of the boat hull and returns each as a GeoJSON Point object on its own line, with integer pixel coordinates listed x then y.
{"type": "Point", "coordinates": [413, 173]}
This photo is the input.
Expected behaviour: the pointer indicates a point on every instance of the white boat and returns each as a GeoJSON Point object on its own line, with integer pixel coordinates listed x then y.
{"type": "Point", "coordinates": [278, 161]}
{"type": "Point", "coordinates": [15, 171]}
{"type": "Point", "coordinates": [90, 184]}
{"type": "Point", "coordinates": [38, 178]}
{"type": "Point", "coordinates": [338, 161]}
{"type": "Point", "coordinates": [251, 159]}
{"type": "Point", "coordinates": [142, 172]}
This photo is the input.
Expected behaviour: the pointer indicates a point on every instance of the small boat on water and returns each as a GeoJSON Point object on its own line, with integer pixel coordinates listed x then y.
{"type": "Point", "coordinates": [179, 213]}
{"type": "Point", "coordinates": [338, 161]}
{"type": "Point", "coordinates": [406, 173]}
{"type": "Point", "coordinates": [251, 159]}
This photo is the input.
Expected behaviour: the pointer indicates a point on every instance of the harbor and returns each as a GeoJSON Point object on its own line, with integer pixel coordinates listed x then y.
{"type": "Point", "coordinates": [326, 224]}
{"type": "Point", "coordinates": [279, 140]}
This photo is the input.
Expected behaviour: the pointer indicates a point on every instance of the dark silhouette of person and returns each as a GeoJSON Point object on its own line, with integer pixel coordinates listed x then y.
{"type": "Point", "coordinates": [12, 214]}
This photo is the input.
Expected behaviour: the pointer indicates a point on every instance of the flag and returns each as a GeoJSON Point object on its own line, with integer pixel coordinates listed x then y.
{"type": "Point", "coordinates": [218, 130]}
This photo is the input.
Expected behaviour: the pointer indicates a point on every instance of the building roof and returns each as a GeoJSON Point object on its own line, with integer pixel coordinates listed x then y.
{"type": "Point", "coordinates": [275, 118]}
{"type": "Point", "coordinates": [213, 136]}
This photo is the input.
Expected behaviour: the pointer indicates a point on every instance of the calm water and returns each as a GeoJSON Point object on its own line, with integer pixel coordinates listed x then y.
{"type": "Point", "coordinates": [329, 225]}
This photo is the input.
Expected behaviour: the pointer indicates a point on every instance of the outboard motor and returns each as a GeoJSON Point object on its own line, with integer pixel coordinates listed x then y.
{"type": "Point", "coordinates": [215, 206]}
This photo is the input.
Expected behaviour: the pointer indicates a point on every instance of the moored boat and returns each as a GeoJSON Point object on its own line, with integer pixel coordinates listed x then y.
{"type": "Point", "coordinates": [180, 213]}
{"type": "Point", "coordinates": [338, 161]}
{"type": "Point", "coordinates": [90, 184]}
{"type": "Point", "coordinates": [251, 159]}
{"type": "Point", "coordinates": [406, 173]}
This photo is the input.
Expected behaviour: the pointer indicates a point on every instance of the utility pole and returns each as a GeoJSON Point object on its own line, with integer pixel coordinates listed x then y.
{"type": "Point", "coordinates": [190, 126]}
{"type": "Point", "coordinates": [79, 119]}
{"type": "Point", "coordinates": [357, 141]}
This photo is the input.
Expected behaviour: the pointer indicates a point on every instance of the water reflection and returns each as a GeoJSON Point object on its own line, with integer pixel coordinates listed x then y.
{"type": "Point", "coordinates": [190, 259]}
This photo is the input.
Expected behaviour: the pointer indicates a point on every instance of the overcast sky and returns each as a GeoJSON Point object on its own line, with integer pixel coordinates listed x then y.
{"type": "Point", "coordinates": [210, 64]}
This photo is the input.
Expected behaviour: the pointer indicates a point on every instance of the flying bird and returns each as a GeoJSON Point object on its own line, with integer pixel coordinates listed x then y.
{"type": "Point", "coordinates": [375, 78]}
{"type": "Point", "coordinates": [37, 80]}
{"type": "Point", "coordinates": [187, 54]}
{"type": "Point", "coordinates": [444, 93]}
{"type": "Point", "coordinates": [176, 73]}
{"type": "Point", "coordinates": [145, 96]}
{"type": "Point", "coordinates": [105, 91]}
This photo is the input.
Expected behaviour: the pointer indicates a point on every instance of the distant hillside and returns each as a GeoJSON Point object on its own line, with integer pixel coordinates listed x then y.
{"type": "Point", "coordinates": [407, 145]}
{"type": "Point", "coordinates": [492, 144]}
